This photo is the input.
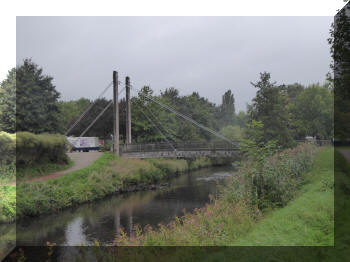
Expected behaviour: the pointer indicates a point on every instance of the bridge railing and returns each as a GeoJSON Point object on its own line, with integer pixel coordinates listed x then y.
{"type": "Point", "coordinates": [179, 146]}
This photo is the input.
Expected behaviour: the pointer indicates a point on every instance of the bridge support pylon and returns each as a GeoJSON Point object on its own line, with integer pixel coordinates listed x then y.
{"type": "Point", "coordinates": [115, 114]}
{"type": "Point", "coordinates": [128, 110]}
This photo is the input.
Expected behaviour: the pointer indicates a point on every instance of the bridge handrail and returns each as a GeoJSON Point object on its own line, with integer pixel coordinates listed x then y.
{"type": "Point", "coordinates": [183, 146]}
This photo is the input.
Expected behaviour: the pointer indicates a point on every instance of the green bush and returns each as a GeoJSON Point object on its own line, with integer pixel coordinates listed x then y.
{"type": "Point", "coordinates": [7, 203]}
{"type": "Point", "coordinates": [199, 163]}
{"type": "Point", "coordinates": [106, 146]}
{"type": "Point", "coordinates": [7, 173]}
{"type": "Point", "coordinates": [7, 148]}
{"type": "Point", "coordinates": [34, 149]}
{"type": "Point", "coordinates": [275, 182]}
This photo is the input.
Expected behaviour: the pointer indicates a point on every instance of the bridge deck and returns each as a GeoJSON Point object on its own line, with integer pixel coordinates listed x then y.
{"type": "Point", "coordinates": [185, 146]}
{"type": "Point", "coordinates": [182, 149]}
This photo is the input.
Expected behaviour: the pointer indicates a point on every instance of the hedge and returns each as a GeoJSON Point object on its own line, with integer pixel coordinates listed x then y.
{"type": "Point", "coordinates": [33, 149]}
{"type": "Point", "coordinates": [7, 148]}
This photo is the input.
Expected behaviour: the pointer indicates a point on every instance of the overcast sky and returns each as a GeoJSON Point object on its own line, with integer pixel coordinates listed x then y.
{"type": "Point", "coordinates": [208, 55]}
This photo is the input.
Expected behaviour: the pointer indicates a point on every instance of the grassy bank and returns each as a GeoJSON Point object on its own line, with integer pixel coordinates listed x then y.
{"type": "Point", "coordinates": [7, 204]}
{"type": "Point", "coordinates": [41, 169]}
{"type": "Point", "coordinates": [306, 220]}
{"type": "Point", "coordinates": [7, 193]}
{"type": "Point", "coordinates": [105, 176]}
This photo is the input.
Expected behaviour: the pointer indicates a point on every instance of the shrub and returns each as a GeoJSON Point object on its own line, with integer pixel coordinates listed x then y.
{"type": "Point", "coordinates": [273, 183]}
{"type": "Point", "coordinates": [33, 149]}
{"type": "Point", "coordinates": [7, 148]}
{"type": "Point", "coordinates": [106, 146]}
{"type": "Point", "coordinates": [7, 173]}
{"type": "Point", "coordinates": [199, 163]}
{"type": "Point", "coordinates": [7, 203]}
{"type": "Point", "coordinates": [169, 166]}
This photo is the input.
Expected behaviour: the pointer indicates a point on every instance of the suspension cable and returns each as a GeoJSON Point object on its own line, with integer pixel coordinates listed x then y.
{"type": "Point", "coordinates": [150, 120]}
{"type": "Point", "coordinates": [88, 109]}
{"type": "Point", "coordinates": [186, 117]}
{"type": "Point", "coordinates": [160, 124]}
{"type": "Point", "coordinates": [98, 117]}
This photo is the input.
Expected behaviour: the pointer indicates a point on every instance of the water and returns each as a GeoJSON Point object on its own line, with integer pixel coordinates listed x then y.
{"type": "Point", "coordinates": [102, 220]}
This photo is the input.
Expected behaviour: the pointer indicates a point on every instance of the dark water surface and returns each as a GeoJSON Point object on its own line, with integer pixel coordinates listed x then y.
{"type": "Point", "coordinates": [103, 219]}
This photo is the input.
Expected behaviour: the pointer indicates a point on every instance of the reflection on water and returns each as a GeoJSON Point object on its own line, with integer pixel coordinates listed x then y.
{"type": "Point", "coordinates": [103, 219]}
{"type": "Point", "coordinates": [7, 238]}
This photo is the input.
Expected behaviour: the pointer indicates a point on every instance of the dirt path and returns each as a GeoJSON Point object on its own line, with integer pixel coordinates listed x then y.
{"type": "Point", "coordinates": [346, 153]}
{"type": "Point", "coordinates": [80, 160]}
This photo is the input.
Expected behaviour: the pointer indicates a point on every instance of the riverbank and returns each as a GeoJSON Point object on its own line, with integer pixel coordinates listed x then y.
{"type": "Point", "coordinates": [10, 175]}
{"type": "Point", "coordinates": [40, 170]}
{"type": "Point", "coordinates": [107, 175]}
{"type": "Point", "coordinates": [8, 182]}
{"type": "Point", "coordinates": [226, 222]}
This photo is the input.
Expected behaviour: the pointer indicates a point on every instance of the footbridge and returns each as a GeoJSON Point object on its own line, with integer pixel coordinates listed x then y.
{"type": "Point", "coordinates": [223, 147]}
{"type": "Point", "coordinates": [180, 150]}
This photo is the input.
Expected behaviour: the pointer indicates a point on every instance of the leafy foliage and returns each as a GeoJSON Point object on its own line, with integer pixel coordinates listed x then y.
{"type": "Point", "coordinates": [226, 111]}
{"type": "Point", "coordinates": [340, 51]}
{"type": "Point", "coordinates": [256, 147]}
{"type": "Point", "coordinates": [7, 148]}
{"type": "Point", "coordinates": [71, 110]}
{"type": "Point", "coordinates": [150, 122]}
{"type": "Point", "coordinates": [102, 128]}
{"type": "Point", "coordinates": [7, 203]}
{"type": "Point", "coordinates": [34, 149]}
{"type": "Point", "coordinates": [36, 100]}
{"type": "Point", "coordinates": [234, 133]}
{"type": "Point", "coordinates": [271, 180]}
{"type": "Point", "coordinates": [313, 112]}
{"type": "Point", "coordinates": [269, 107]}
{"type": "Point", "coordinates": [8, 103]}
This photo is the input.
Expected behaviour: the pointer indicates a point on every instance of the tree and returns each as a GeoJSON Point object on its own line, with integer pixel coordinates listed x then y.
{"type": "Point", "coordinates": [8, 103]}
{"type": "Point", "coordinates": [37, 100]}
{"type": "Point", "coordinates": [269, 107]}
{"type": "Point", "coordinates": [170, 126]}
{"type": "Point", "coordinates": [143, 126]}
{"type": "Point", "coordinates": [242, 119]}
{"type": "Point", "coordinates": [172, 95]}
{"type": "Point", "coordinates": [102, 128]}
{"type": "Point", "coordinates": [233, 133]}
{"type": "Point", "coordinates": [150, 121]}
{"type": "Point", "coordinates": [293, 91]}
{"type": "Point", "coordinates": [227, 109]}
{"type": "Point", "coordinates": [71, 110]}
{"type": "Point", "coordinates": [313, 112]}
{"type": "Point", "coordinates": [340, 50]}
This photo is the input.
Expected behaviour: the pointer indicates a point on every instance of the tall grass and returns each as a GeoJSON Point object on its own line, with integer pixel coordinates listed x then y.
{"type": "Point", "coordinates": [273, 183]}
{"type": "Point", "coordinates": [7, 173]}
{"type": "Point", "coordinates": [309, 219]}
{"type": "Point", "coordinates": [7, 203]}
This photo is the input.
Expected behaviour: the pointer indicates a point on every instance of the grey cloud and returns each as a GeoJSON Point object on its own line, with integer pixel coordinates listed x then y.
{"type": "Point", "coordinates": [204, 54]}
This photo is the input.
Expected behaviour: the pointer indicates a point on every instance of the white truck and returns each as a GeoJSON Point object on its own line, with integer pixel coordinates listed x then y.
{"type": "Point", "coordinates": [84, 144]}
